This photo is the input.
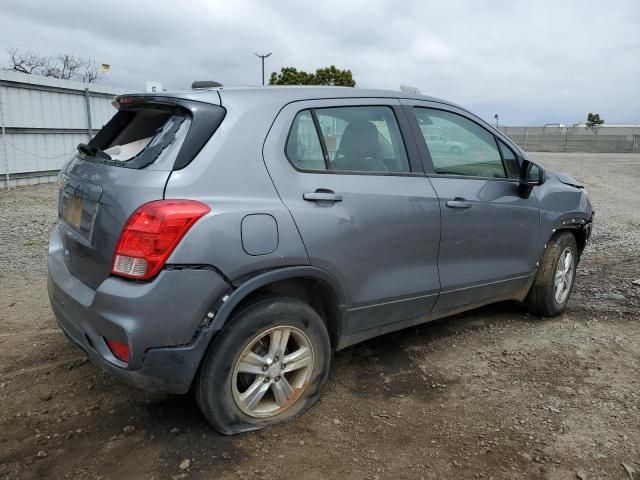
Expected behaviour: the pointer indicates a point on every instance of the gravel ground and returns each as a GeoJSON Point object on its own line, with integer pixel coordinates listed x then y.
{"type": "Point", "coordinates": [494, 393]}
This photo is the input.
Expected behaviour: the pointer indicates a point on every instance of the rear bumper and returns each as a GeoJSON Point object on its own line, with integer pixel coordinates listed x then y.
{"type": "Point", "coordinates": [159, 321]}
{"type": "Point", "coordinates": [167, 370]}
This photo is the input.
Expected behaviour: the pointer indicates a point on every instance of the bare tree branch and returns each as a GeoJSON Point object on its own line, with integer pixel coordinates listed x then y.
{"type": "Point", "coordinates": [64, 66]}
{"type": "Point", "coordinates": [27, 62]}
{"type": "Point", "coordinates": [90, 71]}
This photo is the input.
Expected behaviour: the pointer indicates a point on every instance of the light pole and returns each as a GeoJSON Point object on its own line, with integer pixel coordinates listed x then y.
{"type": "Point", "coordinates": [262, 57]}
{"type": "Point", "coordinates": [496, 117]}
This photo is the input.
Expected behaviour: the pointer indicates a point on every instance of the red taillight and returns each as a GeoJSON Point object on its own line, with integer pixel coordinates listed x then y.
{"type": "Point", "coordinates": [120, 350]}
{"type": "Point", "coordinates": [125, 100]}
{"type": "Point", "coordinates": [151, 234]}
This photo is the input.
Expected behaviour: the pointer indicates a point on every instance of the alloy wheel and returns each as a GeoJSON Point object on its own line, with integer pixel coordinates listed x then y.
{"type": "Point", "coordinates": [564, 276]}
{"type": "Point", "coordinates": [272, 371]}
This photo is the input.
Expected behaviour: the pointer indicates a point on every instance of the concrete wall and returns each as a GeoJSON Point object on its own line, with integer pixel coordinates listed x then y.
{"type": "Point", "coordinates": [576, 139]}
{"type": "Point", "coordinates": [43, 119]}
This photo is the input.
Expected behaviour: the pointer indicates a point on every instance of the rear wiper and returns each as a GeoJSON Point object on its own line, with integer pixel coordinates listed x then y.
{"type": "Point", "coordinates": [92, 151]}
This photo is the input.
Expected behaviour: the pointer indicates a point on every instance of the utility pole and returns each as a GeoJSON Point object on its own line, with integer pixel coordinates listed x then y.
{"type": "Point", "coordinates": [262, 57]}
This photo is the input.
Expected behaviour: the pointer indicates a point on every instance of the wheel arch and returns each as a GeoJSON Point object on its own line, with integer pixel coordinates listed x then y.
{"type": "Point", "coordinates": [312, 285]}
{"type": "Point", "coordinates": [579, 234]}
{"type": "Point", "coordinates": [579, 225]}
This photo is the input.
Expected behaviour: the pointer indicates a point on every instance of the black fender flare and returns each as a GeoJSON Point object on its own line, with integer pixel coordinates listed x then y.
{"type": "Point", "coordinates": [577, 221]}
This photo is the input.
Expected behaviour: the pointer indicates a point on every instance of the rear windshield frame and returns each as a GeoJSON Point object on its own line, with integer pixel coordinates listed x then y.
{"type": "Point", "coordinates": [205, 119]}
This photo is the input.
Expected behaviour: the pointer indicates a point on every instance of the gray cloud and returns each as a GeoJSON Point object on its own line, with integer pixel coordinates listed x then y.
{"type": "Point", "coordinates": [531, 62]}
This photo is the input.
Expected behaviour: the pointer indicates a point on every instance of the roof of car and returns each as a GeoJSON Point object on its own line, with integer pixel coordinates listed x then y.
{"type": "Point", "coordinates": [302, 92]}
{"type": "Point", "coordinates": [290, 93]}
{"type": "Point", "coordinates": [325, 91]}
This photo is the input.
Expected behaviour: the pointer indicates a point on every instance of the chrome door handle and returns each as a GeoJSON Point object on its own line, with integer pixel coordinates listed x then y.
{"type": "Point", "coordinates": [322, 197]}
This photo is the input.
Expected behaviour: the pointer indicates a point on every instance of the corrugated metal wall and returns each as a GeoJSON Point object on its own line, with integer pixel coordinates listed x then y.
{"type": "Point", "coordinates": [44, 119]}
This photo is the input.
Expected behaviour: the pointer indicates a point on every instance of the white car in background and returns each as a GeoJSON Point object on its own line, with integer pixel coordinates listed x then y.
{"type": "Point", "coordinates": [440, 144]}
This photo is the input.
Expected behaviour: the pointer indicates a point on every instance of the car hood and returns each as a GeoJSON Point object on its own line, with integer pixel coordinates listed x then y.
{"type": "Point", "coordinates": [568, 180]}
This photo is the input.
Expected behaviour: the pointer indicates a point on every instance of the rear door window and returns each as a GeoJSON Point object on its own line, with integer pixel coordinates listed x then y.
{"type": "Point", "coordinates": [304, 149]}
{"type": "Point", "coordinates": [351, 139]}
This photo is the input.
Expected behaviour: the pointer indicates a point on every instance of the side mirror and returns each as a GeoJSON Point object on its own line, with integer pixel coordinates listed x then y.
{"type": "Point", "coordinates": [531, 174]}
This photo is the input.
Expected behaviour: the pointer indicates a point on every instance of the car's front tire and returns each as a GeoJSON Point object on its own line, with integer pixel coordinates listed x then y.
{"type": "Point", "coordinates": [556, 274]}
{"type": "Point", "coordinates": [269, 365]}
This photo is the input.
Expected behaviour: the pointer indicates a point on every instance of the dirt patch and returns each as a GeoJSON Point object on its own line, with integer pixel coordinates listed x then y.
{"type": "Point", "coordinates": [495, 393]}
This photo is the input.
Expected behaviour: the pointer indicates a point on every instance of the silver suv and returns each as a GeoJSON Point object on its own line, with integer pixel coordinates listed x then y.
{"type": "Point", "coordinates": [229, 240]}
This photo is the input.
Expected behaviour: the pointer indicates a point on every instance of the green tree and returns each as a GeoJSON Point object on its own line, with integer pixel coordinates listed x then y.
{"type": "Point", "coordinates": [594, 122]}
{"type": "Point", "coordinates": [291, 76]}
{"type": "Point", "coordinates": [322, 76]}
{"type": "Point", "coordinates": [334, 76]}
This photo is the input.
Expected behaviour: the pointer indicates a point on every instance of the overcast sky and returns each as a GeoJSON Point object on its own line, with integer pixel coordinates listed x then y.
{"type": "Point", "coordinates": [532, 62]}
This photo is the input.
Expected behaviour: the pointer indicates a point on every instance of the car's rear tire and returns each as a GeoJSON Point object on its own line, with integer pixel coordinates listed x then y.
{"type": "Point", "coordinates": [554, 280]}
{"type": "Point", "coordinates": [249, 360]}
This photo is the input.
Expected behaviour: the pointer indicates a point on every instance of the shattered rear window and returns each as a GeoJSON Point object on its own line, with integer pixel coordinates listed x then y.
{"type": "Point", "coordinates": [135, 138]}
